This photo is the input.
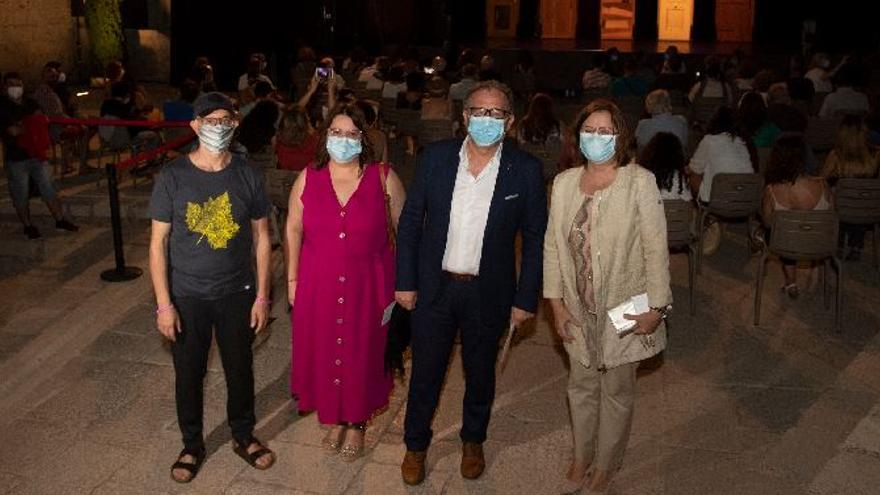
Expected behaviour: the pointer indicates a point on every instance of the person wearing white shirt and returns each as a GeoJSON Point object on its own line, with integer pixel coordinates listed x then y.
{"type": "Point", "coordinates": [721, 151]}
{"type": "Point", "coordinates": [457, 91]}
{"type": "Point", "coordinates": [821, 74]}
{"type": "Point", "coordinates": [845, 100]}
{"type": "Point", "coordinates": [457, 267]}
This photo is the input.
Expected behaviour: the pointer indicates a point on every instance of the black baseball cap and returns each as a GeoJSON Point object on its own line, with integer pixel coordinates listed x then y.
{"type": "Point", "coordinates": [210, 102]}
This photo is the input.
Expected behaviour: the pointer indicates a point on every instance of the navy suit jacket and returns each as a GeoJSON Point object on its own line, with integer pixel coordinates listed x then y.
{"type": "Point", "coordinates": [519, 205]}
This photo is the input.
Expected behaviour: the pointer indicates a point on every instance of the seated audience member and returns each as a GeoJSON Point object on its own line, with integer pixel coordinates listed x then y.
{"type": "Point", "coordinates": [263, 91]}
{"type": "Point", "coordinates": [411, 99]}
{"type": "Point", "coordinates": [378, 139]}
{"type": "Point", "coordinates": [437, 68]}
{"type": "Point", "coordinates": [821, 74]}
{"type": "Point", "coordinates": [789, 187]}
{"type": "Point", "coordinates": [372, 75]}
{"type": "Point", "coordinates": [25, 138]}
{"type": "Point", "coordinates": [62, 89]}
{"type": "Point", "coordinates": [800, 88]}
{"type": "Point", "coordinates": [395, 82]}
{"type": "Point", "coordinates": [752, 117]}
{"type": "Point", "coordinates": [745, 75]}
{"type": "Point", "coordinates": [631, 83]}
{"type": "Point", "coordinates": [851, 156]}
{"type": "Point", "coordinates": [488, 72]}
{"type": "Point", "coordinates": [523, 82]}
{"type": "Point", "coordinates": [613, 62]}
{"type": "Point", "coordinates": [436, 104]}
{"type": "Point", "coordinates": [121, 106]}
{"type": "Point", "coordinates": [674, 78]}
{"type": "Point", "coordinates": [723, 150]}
{"type": "Point", "coordinates": [181, 109]}
{"type": "Point", "coordinates": [256, 71]}
{"type": "Point", "coordinates": [257, 132]}
{"type": "Point", "coordinates": [47, 97]}
{"type": "Point", "coordinates": [672, 62]}
{"type": "Point", "coordinates": [664, 156]}
{"type": "Point", "coordinates": [711, 83]}
{"type": "Point", "coordinates": [762, 82]}
{"type": "Point", "coordinates": [781, 112]}
{"type": "Point", "coordinates": [845, 99]}
{"type": "Point", "coordinates": [539, 125]}
{"type": "Point", "coordinates": [597, 77]}
{"type": "Point", "coordinates": [658, 105]}
{"type": "Point", "coordinates": [114, 72]}
{"type": "Point", "coordinates": [296, 143]}
{"type": "Point", "coordinates": [458, 91]}
{"type": "Point", "coordinates": [141, 105]}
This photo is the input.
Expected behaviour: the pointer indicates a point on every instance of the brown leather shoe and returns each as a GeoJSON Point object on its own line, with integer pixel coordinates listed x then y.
{"type": "Point", "coordinates": [413, 467]}
{"type": "Point", "coordinates": [472, 461]}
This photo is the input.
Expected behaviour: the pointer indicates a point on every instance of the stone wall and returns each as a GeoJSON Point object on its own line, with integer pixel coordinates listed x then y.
{"type": "Point", "coordinates": [34, 32]}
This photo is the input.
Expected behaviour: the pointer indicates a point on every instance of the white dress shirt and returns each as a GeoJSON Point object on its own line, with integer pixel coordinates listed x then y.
{"type": "Point", "coordinates": [471, 199]}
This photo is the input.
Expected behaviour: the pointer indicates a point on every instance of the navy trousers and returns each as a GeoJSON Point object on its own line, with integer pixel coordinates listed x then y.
{"type": "Point", "coordinates": [434, 327]}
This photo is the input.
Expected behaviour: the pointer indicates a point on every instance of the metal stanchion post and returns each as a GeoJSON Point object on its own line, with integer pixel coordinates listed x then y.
{"type": "Point", "coordinates": [120, 273]}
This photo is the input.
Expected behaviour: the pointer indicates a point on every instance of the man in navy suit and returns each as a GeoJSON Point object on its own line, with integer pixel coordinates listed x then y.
{"type": "Point", "coordinates": [456, 267]}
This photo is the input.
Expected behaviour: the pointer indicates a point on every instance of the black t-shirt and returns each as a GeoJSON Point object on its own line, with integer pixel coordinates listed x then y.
{"type": "Point", "coordinates": [13, 113]}
{"type": "Point", "coordinates": [210, 248]}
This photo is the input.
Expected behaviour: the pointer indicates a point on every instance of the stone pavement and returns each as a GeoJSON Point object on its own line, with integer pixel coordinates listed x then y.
{"type": "Point", "coordinates": [86, 399]}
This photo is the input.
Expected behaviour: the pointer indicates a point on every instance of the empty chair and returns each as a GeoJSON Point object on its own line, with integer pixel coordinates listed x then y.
{"type": "Point", "coordinates": [857, 202]}
{"type": "Point", "coordinates": [733, 196]}
{"type": "Point", "coordinates": [434, 130]}
{"type": "Point", "coordinates": [680, 237]}
{"type": "Point", "coordinates": [803, 236]}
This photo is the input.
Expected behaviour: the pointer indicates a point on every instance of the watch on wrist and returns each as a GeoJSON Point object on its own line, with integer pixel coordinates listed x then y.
{"type": "Point", "coordinates": [663, 310]}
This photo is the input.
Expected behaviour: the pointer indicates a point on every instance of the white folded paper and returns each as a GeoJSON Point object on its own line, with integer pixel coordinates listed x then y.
{"type": "Point", "coordinates": [635, 305]}
{"type": "Point", "coordinates": [386, 315]}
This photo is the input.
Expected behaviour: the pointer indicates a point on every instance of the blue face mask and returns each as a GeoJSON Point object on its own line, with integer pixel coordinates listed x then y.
{"type": "Point", "coordinates": [597, 148]}
{"type": "Point", "coordinates": [343, 149]}
{"type": "Point", "coordinates": [485, 131]}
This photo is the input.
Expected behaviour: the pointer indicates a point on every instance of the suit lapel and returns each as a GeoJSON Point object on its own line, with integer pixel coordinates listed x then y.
{"type": "Point", "coordinates": [501, 186]}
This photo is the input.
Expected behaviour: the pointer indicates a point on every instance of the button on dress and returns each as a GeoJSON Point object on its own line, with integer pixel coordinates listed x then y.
{"type": "Point", "coordinates": [344, 284]}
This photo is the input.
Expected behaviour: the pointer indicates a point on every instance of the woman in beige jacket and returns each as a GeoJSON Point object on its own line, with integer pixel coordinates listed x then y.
{"type": "Point", "coordinates": [605, 243]}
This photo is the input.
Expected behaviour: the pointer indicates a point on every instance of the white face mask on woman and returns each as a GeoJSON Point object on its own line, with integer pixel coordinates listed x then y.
{"type": "Point", "coordinates": [15, 92]}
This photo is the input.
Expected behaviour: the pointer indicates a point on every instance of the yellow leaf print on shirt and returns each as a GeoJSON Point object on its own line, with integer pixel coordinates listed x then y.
{"type": "Point", "coordinates": [213, 220]}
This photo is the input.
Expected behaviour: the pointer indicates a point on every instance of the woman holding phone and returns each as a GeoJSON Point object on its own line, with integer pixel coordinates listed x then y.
{"type": "Point", "coordinates": [605, 245]}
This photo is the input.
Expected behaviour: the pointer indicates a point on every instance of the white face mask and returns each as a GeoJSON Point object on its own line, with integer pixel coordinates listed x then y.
{"type": "Point", "coordinates": [15, 92]}
{"type": "Point", "coordinates": [62, 77]}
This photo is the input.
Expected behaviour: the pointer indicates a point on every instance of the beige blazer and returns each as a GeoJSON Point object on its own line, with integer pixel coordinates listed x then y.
{"type": "Point", "coordinates": [629, 254]}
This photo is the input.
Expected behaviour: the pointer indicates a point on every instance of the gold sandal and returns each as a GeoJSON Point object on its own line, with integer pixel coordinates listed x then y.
{"type": "Point", "coordinates": [351, 453]}
{"type": "Point", "coordinates": [333, 439]}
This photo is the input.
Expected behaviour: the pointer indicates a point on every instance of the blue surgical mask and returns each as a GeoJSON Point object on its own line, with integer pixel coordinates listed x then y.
{"type": "Point", "coordinates": [597, 148]}
{"type": "Point", "coordinates": [343, 149]}
{"type": "Point", "coordinates": [216, 138]}
{"type": "Point", "coordinates": [485, 131]}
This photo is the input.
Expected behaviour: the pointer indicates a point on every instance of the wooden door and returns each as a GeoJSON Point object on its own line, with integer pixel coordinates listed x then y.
{"type": "Point", "coordinates": [617, 19]}
{"type": "Point", "coordinates": [502, 17]}
{"type": "Point", "coordinates": [558, 19]}
{"type": "Point", "coordinates": [734, 20]}
{"type": "Point", "coordinates": [674, 19]}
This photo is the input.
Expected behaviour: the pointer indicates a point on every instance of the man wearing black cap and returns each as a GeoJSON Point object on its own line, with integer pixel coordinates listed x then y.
{"type": "Point", "coordinates": [209, 212]}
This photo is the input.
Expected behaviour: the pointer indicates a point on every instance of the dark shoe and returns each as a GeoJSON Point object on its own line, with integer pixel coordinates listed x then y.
{"type": "Point", "coordinates": [413, 467]}
{"type": "Point", "coordinates": [472, 461]}
{"type": "Point", "coordinates": [32, 233]}
{"type": "Point", "coordinates": [66, 225]}
{"type": "Point", "coordinates": [252, 457]}
{"type": "Point", "coordinates": [191, 468]}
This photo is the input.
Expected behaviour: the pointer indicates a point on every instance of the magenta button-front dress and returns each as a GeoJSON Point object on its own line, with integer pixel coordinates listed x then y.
{"type": "Point", "coordinates": [344, 284]}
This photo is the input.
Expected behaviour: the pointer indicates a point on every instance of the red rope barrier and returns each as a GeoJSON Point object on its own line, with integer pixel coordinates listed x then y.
{"type": "Point", "coordinates": [117, 122]}
{"type": "Point", "coordinates": [148, 154]}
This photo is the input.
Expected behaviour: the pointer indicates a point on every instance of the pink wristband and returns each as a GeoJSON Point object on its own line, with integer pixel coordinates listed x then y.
{"type": "Point", "coordinates": [263, 300]}
{"type": "Point", "coordinates": [162, 309]}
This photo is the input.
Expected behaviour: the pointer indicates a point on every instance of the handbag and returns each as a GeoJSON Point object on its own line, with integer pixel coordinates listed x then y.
{"type": "Point", "coordinates": [399, 325]}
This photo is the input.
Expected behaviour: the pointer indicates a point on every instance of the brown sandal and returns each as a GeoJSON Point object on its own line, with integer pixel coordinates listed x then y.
{"type": "Point", "coordinates": [191, 467]}
{"type": "Point", "coordinates": [252, 457]}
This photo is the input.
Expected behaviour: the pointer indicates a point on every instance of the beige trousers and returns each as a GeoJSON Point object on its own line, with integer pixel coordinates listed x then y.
{"type": "Point", "coordinates": [601, 407]}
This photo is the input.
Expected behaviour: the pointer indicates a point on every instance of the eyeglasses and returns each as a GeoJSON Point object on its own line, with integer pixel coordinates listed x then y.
{"type": "Point", "coordinates": [602, 131]}
{"type": "Point", "coordinates": [218, 120]}
{"type": "Point", "coordinates": [353, 134]}
{"type": "Point", "coordinates": [495, 113]}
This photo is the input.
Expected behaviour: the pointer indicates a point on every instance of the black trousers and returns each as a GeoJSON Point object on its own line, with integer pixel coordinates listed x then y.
{"type": "Point", "coordinates": [230, 316]}
{"type": "Point", "coordinates": [434, 327]}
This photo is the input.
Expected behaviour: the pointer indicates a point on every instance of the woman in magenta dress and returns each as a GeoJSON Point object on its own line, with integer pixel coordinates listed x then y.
{"type": "Point", "coordinates": [341, 280]}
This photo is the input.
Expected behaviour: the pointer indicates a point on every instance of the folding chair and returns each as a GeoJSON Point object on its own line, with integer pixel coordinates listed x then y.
{"type": "Point", "coordinates": [804, 236]}
{"type": "Point", "coordinates": [733, 196]}
{"type": "Point", "coordinates": [680, 237]}
{"type": "Point", "coordinates": [857, 202]}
